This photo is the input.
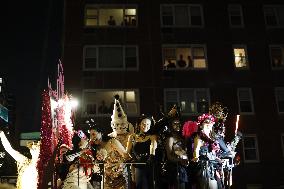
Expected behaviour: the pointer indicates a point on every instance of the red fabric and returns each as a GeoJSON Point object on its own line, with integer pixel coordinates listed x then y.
{"type": "Point", "coordinates": [86, 160]}
{"type": "Point", "coordinates": [189, 128]}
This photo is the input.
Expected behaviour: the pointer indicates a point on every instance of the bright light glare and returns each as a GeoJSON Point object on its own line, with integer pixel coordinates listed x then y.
{"type": "Point", "coordinates": [74, 103]}
{"type": "Point", "coordinates": [60, 102]}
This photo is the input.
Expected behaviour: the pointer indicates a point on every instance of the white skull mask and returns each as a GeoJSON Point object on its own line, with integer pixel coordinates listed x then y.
{"type": "Point", "coordinates": [120, 127]}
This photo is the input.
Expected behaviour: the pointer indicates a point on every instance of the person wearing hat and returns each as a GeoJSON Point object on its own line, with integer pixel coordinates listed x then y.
{"type": "Point", "coordinates": [27, 168]}
{"type": "Point", "coordinates": [176, 152]}
{"type": "Point", "coordinates": [115, 174]}
{"type": "Point", "coordinates": [205, 154]}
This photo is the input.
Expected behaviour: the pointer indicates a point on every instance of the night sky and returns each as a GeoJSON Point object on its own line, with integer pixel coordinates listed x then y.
{"type": "Point", "coordinates": [30, 49]}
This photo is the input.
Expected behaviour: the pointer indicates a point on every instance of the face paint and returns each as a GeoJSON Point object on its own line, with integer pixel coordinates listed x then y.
{"type": "Point", "coordinates": [120, 128]}
{"type": "Point", "coordinates": [145, 125]}
{"type": "Point", "coordinates": [176, 125]}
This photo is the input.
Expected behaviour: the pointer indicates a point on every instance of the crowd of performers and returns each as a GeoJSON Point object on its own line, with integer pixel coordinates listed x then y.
{"type": "Point", "coordinates": [164, 154]}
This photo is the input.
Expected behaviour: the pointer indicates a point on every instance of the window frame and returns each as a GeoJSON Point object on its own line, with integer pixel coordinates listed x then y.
{"type": "Point", "coordinates": [137, 93]}
{"type": "Point", "coordinates": [275, 13]}
{"type": "Point", "coordinates": [177, 90]}
{"type": "Point", "coordinates": [191, 46]}
{"type": "Point", "coordinates": [124, 68]}
{"type": "Point", "coordinates": [189, 16]}
{"type": "Point", "coordinates": [270, 55]}
{"type": "Point", "coordinates": [240, 46]}
{"type": "Point", "coordinates": [241, 15]}
{"type": "Point", "coordinates": [257, 160]}
{"type": "Point", "coordinates": [251, 101]}
{"type": "Point", "coordinates": [277, 101]}
{"type": "Point", "coordinates": [100, 6]}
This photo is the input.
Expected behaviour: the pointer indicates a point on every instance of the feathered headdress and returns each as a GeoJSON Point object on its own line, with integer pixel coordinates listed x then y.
{"type": "Point", "coordinates": [204, 117]}
{"type": "Point", "coordinates": [189, 128]}
{"type": "Point", "coordinates": [218, 111]}
{"type": "Point", "coordinates": [174, 113]}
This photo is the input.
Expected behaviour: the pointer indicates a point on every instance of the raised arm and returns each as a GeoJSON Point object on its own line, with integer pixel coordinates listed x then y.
{"type": "Point", "coordinates": [196, 148]}
{"type": "Point", "coordinates": [169, 147]}
{"type": "Point", "coordinates": [15, 154]}
{"type": "Point", "coordinates": [153, 145]}
{"type": "Point", "coordinates": [129, 144]}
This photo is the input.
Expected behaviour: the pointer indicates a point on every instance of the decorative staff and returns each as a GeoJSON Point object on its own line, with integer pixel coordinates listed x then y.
{"type": "Point", "coordinates": [237, 124]}
{"type": "Point", "coordinates": [238, 135]}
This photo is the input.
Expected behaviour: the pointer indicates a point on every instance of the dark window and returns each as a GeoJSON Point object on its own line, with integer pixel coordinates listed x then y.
{"type": "Point", "coordinates": [235, 15]}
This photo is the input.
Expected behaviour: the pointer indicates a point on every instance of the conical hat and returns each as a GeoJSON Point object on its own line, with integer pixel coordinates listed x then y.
{"type": "Point", "coordinates": [118, 114]}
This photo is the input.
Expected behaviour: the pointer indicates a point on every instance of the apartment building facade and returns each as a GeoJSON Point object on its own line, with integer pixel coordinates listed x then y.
{"type": "Point", "coordinates": [192, 53]}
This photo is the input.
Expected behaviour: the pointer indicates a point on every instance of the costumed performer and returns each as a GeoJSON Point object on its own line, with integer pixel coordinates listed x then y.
{"type": "Point", "coordinates": [80, 163]}
{"type": "Point", "coordinates": [116, 174]}
{"type": "Point", "coordinates": [27, 168]}
{"type": "Point", "coordinates": [142, 146]}
{"type": "Point", "coordinates": [177, 158]}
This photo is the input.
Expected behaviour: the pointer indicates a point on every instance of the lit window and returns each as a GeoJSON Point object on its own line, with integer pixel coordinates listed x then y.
{"type": "Point", "coordinates": [184, 57]}
{"type": "Point", "coordinates": [191, 101]}
{"type": "Point", "coordinates": [181, 16]}
{"type": "Point", "coordinates": [250, 148]}
{"type": "Point", "coordinates": [130, 17]}
{"type": "Point", "coordinates": [276, 54]}
{"type": "Point", "coordinates": [279, 92]}
{"type": "Point", "coordinates": [100, 102]}
{"type": "Point", "coordinates": [245, 101]}
{"type": "Point", "coordinates": [235, 15]}
{"type": "Point", "coordinates": [240, 56]}
{"type": "Point", "coordinates": [274, 16]}
{"type": "Point", "coordinates": [116, 16]}
{"type": "Point", "coordinates": [1, 80]}
{"type": "Point", "coordinates": [110, 58]}
{"type": "Point", "coordinates": [91, 17]}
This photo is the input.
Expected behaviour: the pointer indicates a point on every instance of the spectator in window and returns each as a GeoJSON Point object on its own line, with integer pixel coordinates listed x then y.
{"type": "Point", "coordinates": [111, 21]}
{"type": "Point", "coordinates": [171, 64]}
{"type": "Point", "coordinates": [110, 108]}
{"type": "Point", "coordinates": [181, 62]}
{"type": "Point", "coordinates": [103, 109]}
{"type": "Point", "coordinates": [241, 61]}
{"type": "Point", "coordinates": [190, 62]}
{"type": "Point", "coordinates": [124, 22]}
{"type": "Point", "coordinates": [133, 22]}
